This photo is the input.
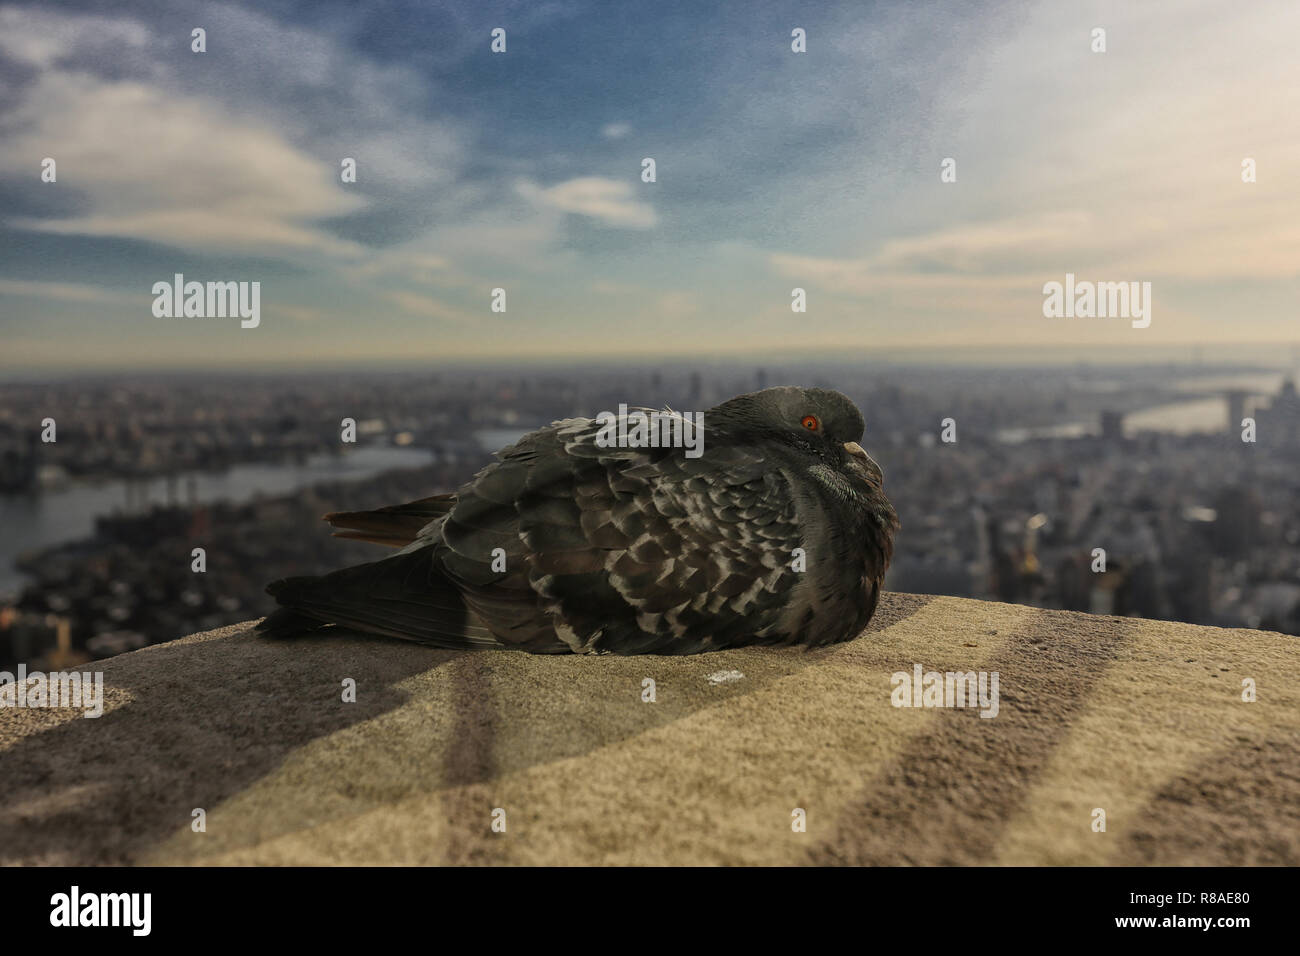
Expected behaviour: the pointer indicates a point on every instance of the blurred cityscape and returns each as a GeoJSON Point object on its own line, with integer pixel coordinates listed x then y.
{"type": "Point", "coordinates": [1052, 472]}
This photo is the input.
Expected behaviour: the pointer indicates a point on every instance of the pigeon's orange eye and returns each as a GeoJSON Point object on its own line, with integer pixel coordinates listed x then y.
{"type": "Point", "coordinates": [811, 423]}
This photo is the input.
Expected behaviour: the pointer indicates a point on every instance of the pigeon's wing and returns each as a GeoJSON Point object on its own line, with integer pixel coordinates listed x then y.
{"type": "Point", "coordinates": [622, 549]}
{"type": "Point", "coordinates": [404, 596]}
{"type": "Point", "coordinates": [479, 547]}
{"type": "Point", "coordinates": [395, 526]}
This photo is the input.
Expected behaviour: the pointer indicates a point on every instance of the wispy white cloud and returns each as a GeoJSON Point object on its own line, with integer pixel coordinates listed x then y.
{"type": "Point", "coordinates": [610, 201]}
{"type": "Point", "coordinates": [151, 164]}
{"type": "Point", "coordinates": [42, 38]}
{"type": "Point", "coordinates": [426, 307]}
{"type": "Point", "coordinates": [70, 292]}
{"type": "Point", "coordinates": [154, 153]}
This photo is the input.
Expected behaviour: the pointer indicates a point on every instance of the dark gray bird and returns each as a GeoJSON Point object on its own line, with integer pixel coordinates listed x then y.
{"type": "Point", "coordinates": [778, 533]}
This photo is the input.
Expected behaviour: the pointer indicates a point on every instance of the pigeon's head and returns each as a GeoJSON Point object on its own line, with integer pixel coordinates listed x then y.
{"type": "Point", "coordinates": [819, 422]}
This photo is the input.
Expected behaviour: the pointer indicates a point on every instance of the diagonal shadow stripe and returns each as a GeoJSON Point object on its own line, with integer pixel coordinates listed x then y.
{"type": "Point", "coordinates": [208, 720]}
{"type": "Point", "coordinates": [470, 759]}
{"type": "Point", "coordinates": [1239, 807]}
{"type": "Point", "coordinates": [946, 800]}
{"type": "Point", "coordinates": [581, 704]}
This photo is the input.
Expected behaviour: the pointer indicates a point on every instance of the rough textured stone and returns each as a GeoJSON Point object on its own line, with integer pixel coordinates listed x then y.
{"type": "Point", "coordinates": [1143, 719]}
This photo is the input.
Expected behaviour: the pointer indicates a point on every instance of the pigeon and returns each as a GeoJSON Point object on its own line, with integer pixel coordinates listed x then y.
{"type": "Point", "coordinates": [777, 532]}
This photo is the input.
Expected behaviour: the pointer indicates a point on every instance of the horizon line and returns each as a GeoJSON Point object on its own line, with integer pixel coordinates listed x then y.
{"type": "Point", "coordinates": [956, 354]}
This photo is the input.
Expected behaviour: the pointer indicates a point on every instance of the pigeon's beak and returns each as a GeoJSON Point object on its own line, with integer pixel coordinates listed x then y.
{"type": "Point", "coordinates": [856, 451]}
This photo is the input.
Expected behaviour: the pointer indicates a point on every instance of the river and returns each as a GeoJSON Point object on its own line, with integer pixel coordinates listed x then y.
{"type": "Point", "coordinates": [30, 522]}
{"type": "Point", "coordinates": [1179, 417]}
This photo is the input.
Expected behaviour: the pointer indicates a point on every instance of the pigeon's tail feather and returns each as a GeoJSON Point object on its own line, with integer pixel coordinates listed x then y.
{"type": "Point", "coordinates": [286, 622]}
{"type": "Point", "coordinates": [403, 596]}
{"type": "Point", "coordinates": [395, 526]}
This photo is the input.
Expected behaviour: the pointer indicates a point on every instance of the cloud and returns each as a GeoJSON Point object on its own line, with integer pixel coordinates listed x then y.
{"type": "Point", "coordinates": [70, 292]}
{"type": "Point", "coordinates": [607, 200]}
{"type": "Point", "coordinates": [300, 313]}
{"type": "Point", "coordinates": [1006, 254]}
{"type": "Point", "coordinates": [609, 287]}
{"type": "Point", "coordinates": [411, 264]}
{"type": "Point", "coordinates": [205, 180]}
{"type": "Point", "coordinates": [153, 164]}
{"type": "Point", "coordinates": [615, 130]}
{"type": "Point", "coordinates": [678, 305]}
{"type": "Point", "coordinates": [41, 38]}
{"type": "Point", "coordinates": [425, 307]}
{"type": "Point", "coordinates": [986, 246]}
{"type": "Point", "coordinates": [247, 166]}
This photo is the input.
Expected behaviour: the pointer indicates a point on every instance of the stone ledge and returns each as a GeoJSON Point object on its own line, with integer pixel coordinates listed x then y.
{"type": "Point", "coordinates": [1143, 719]}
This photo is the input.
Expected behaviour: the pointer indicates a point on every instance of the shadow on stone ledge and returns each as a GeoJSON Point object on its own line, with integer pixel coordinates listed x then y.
{"type": "Point", "coordinates": [1141, 719]}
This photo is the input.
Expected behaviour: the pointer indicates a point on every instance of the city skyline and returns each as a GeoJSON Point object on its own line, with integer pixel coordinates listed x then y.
{"type": "Point", "coordinates": [522, 170]}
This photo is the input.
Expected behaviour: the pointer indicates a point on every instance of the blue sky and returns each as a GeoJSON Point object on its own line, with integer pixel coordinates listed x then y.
{"type": "Point", "coordinates": [522, 170]}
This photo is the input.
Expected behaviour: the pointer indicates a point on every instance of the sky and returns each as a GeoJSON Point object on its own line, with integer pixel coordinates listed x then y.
{"type": "Point", "coordinates": [522, 170]}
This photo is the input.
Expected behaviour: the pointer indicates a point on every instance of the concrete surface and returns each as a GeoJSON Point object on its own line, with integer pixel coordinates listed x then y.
{"type": "Point", "coordinates": [1142, 719]}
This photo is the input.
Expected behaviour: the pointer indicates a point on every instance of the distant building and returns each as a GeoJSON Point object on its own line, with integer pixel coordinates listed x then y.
{"type": "Point", "coordinates": [1236, 526]}
{"type": "Point", "coordinates": [27, 638]}
{"type": "Point", "coordinates": [1279, 424]}
{"type": "Point", "coordinates": [1112, 426]}
{"type": "Point", "coordinates": [1236, 409]}
{"type": "Point", "coordinates": [18, 462]}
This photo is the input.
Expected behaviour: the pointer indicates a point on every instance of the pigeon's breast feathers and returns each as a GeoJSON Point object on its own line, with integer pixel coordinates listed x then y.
{"type": "Point", "coordinates": [813, 433]}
